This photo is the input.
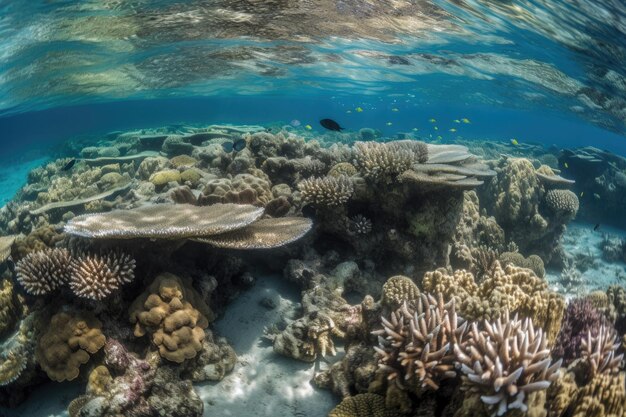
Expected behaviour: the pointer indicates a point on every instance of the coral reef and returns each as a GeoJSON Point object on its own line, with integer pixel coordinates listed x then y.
{"type": "Point", "coordinates": [96, 276]}
{"type": "Point", "coordinates": [599, 351]}
{"type": "Point", "coordinates": [44, 271]}
{"type": "Point", "coordinates": [362, 405]}
{"type": "Point", "coordinates": [327, 191]}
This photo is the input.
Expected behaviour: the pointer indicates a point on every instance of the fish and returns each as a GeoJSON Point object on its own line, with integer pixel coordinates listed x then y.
{"type": "Point", "coordinates": [69, 165]}
{"type": "Point", "coordinates": [415, 129]}
{"type": "Point", "coordinates": [238, 145]}
{"type": "Point", "coordinates": [359, 109]}
{"type": "Point", "coordinates": [453, 130]}
{"type": "Point", "coordinates": [465, 120]}
{"type": "Point", "coordinates": [596, 227]}
{"type": "Point", "coordinates": [295, 123]}
{"type": "Point", "coordinates": [348, 111]}
{"type": "Point", "coordinates": [565, 165]}
{"type": "Point", "coordinates": [439, 137]}
{"type": "Point", "coordinates": [596, 196]}
{"type": "Point", "coordinates": [456, 121]}
{"type": "Point", "coordinates": [582, 193]}
{"type": "Point", "coordinates": [388, 123]}
{"type": "Point", "coordinates": [436, 128]}
{"type": "Point", "coordinates": [432, 120]}
{"type": "Point", "coordinates": [331, 125]}
{"type": "Point", "coordinates": [514, 142]}
{"type": "Point", "coordinates": [308, 127]}
{"type": "Point", "coordinates": [395, 109]}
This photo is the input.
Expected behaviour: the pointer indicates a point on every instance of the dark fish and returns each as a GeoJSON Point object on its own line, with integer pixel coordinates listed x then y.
{"type": "Point", "coordinates": [238, 145]}
{"type": "Point", "coordinates": [596, 227]}
{"type": "Point", "coordinates": [69, 165]}
{"type": "Point", "coordinates": [331, 125]}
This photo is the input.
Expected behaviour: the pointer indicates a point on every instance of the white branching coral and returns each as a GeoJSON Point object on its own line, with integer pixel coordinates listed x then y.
{"type": "Point", "coordinates": [96, 276]}
{"type": "Point", "coordinates": [416, 345]}
{"type": "Point", "coordinates": [381, 161]}
{"type": "Point", "coordinates": [505, 362]}
{"type": "Point", "coordinates": [43, 271]}
{"type": "Point", "coordinates": [326, 191]}
{"type": "Point", "coordinates": [600, 351]}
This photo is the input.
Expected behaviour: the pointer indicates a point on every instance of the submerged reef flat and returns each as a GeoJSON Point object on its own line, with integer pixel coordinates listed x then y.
{"type": "Point", "coordinates": [210, 270]}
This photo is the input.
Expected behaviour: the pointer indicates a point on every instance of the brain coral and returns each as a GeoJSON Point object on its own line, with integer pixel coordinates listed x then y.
{"type": "Point", "coordinates": [326, 191]}
{"type": "Point", "coordinates": [43, 271]}
{"type": "Point", "coordinates": [562, 203]}
{"type": "Point", "coordinates": [533, 262]}
{"type": "Point", "coordinates": [96, 276]}
{"type": "Point", "coordinates": [174, 314]}
{"type": "Point", "coordinates": [362, 405]}
{"type": "Point", "coordinates": [513, 289]}
{"type": "Point", "coordinates": [399, 289]}
{"type": "Point", "coordinates": [67, 344]}
{"type": "Point", "coordinates": [242, 189]}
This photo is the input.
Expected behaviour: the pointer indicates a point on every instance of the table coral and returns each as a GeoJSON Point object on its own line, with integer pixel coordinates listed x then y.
{"type": "Point", "coordinates": [174, 314]}
{"type": "Point", "coordinates": [68, 343]}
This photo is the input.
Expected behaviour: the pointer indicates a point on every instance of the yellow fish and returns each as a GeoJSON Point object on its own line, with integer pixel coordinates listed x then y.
{"type": "Point", "coordinates": [436, 128]}
{"type": "Point", "coordinates": [456, 121]}
{"type": "Point", "coordinates": [389, 123]}
{"type": "Point", "coordinates": [348, 111]}
{"type": "Point", "coordinates": [395, 109]}
{"type": "Point", "coordinates": [582, 193]}
{"type": "Point", "coordinates": [358, 109]}
{"type": "Point", "coordinates": [514, 142]}
{"type": "Point", "coordinates": [465, 120]}
{"type": "Point", "coordinates": [453, 130]}
{"type": "Point", "coordinates": [565, 165]}
{"type": "Point", "coordinates": [308, 127]}
{"type": "Point", "coordinates": [432, 120]}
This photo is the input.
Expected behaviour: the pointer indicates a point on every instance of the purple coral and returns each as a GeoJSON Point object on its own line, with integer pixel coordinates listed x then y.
{"type": "Point", "coordinates": [580, 318]}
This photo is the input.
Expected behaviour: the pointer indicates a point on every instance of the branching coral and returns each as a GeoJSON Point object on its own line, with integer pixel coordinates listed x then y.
{"type": "Point", "coordinates": [68, 343]}
{"type": "Point", "coordinates": [96, 276]}
{"type": "Point", "coordinates": [174, 314]}
{"type": "Point", "coordinates": [382, 162]}
{"type": "Point", "coordinates": [326, 191]}
{"type": "Point", "coordinates": [416, 345]}
{"type": "Point", "coordinates": [264, 234]}
{"type": "Point", "coordinates": [505, 362]}
{"type": "Point", "coordinates": [600, 351]}
{"type": "Point", "coordinates": [164, 221]}
{"type": "Point", "coordinates": [44, 271]}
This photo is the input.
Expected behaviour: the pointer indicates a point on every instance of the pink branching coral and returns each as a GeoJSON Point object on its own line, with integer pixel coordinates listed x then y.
{"type": "Point", "coordinates": [505, 362]}
{"type": "Point", "coordinates": [417, 342]}
{"type": "Point", "coordinates": [600, 351]}
{"type": "Point", "coordinates": [96, 276]}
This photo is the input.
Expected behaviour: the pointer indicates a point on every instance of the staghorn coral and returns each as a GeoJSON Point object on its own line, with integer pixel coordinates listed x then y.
{"type": "Point", "coordinates": [362, 405]}
{"type": "Point", "coordinates": [44, 271]}
{"type": "Point", "coordinates": [96, 276]}
{"type": "Point", "coordinates": [533, 262]}
{"type": "Point", "coordinates": [397, 290]}
{"type": "Point", "coordinates": [263, 234]}
{"type": "Point", "coordinates": [68, 343]}
{"type": "Point", "coordinates": [174, 314]}
{"type": "Point", "coordinates": [580, 318]}
{"type": "Point", "coordinates": [326, 191]}
{"type": "Point", "coordinates": [164, 221]}
{"type": "Point", "coordinates": [514, 289]}
{"type": "Point", "coordinates": [382, 162]}
{"type": "Point", "coordinates": [483, 260]}
{"type": "Point", "coordinates": [599, 352]}
{"type": "Point", "coordinates": [416, 345]}
{"type": "Point", "coordinates": [506, 362]}
{"type": "Point", "coordinates": [562, 203]}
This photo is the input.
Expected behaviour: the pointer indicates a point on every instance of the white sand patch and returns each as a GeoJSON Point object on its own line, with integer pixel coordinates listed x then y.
{"type": "Point", "coordinates": [263, 383]}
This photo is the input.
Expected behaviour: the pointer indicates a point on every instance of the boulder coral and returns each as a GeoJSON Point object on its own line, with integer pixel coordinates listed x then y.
{"type": "Point", "coordinates": [68, 343]}
{"type": "Point", "coordinates": [174, 315]}
{"type": "Point", "coordinates": [363, 405]}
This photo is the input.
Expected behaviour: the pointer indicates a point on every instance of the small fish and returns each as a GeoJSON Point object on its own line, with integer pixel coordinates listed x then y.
{"type": "Point", "coordinates": [359, 109]}
{"type": "Point", "coordinates": [439, 137]}
{"type": "Point", "coordinates": [514, 142]}
{"type": "Point", "coordinates": [456, 121]}
{"type": "Point", "coordinates": [436, 128]}
{"type": "Point", "coordinates": [348, 111]}
{"type": "Point", "coordinates": [395, 109]}
{"type": "Point", "coordinates": [596, 196]}
{"type": "Point", "coordinates": [465, 120]}
{"type": "Point", "coordinates": [308, 127]}
{"type": "Point", "coordinates": [596, 227]}
{"type": "Point", "coordinates": [236, 146]}
{"type": "Point", "coordinates": [295, 123]}
{"type": "Point", "coordinates": [565, 165]}
{"type": "Point", "coordinates": [582, 193]}
{"type": "Point", "coordinates": [432, 120]}
{"type": "Point", "coordinates": [388, 123]}
{"type": "Point", "coordinates": [453, 130]}
{"type": "Point", "coordinates": [69, 165]}
{"type": "Point", "coordinates": [415, 129]}
{"type": "Point", "coordinates": [331, 125]}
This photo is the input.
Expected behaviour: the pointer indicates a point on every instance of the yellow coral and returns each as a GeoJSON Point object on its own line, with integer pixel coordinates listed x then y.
{"type": "Point", "coordinates": [164, 177]}
{"type": "Point", "coordinates": [99, 380]}
{"type": "Point", "coordinates": [174, 314]}
{"type": "Point", "coordinates": [67, 344]}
